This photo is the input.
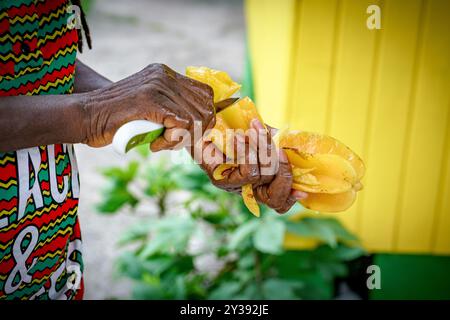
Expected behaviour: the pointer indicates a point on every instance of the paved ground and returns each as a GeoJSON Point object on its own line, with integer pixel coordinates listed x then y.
{"type": "Point", "coordinates": [128, 35]}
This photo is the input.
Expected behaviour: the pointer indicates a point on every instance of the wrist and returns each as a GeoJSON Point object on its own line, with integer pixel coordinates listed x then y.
{"type": "Point", "coordinates": [80, 105]}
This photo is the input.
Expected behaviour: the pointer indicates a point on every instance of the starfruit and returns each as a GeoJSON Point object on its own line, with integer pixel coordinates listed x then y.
{"type": "Point", "coordinates": [324, 167]}
{"type": "Point", "coordinates": [221, 83]}
{"type": "Point", "coordinates": [236, 116]}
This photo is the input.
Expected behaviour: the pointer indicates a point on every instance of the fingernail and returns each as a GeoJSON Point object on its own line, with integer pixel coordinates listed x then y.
{"type": "Point", "coordinates": [299, 194]}
{"type": "Point", "coordinates": [256, 124]}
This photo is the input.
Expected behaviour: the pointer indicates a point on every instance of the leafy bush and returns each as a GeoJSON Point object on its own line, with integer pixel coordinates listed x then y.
{"type": "Point", "coordinates": [208, 246]}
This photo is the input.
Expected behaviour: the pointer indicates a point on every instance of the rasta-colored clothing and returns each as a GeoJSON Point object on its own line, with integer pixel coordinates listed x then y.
{"type": "Point", "coordinates": [40, 241]}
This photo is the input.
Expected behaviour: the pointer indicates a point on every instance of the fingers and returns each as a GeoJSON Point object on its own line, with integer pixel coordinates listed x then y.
{"type": "Point", "coordinates": [175, 136]}
{"type": "Point", "coordinates": [277, 194]}
{"type": "Point", "coordinates": [247, 154]}
{"type": "Point", "coordinates": [291, 200]}
{"type": "Point", "coordinates": [267, 153]}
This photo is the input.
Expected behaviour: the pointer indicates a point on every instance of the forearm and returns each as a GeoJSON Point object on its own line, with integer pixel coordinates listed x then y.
{"type": "Point", "coordinates": [86, 79]}
{"type": "Point", "coordinates": [27, 121]}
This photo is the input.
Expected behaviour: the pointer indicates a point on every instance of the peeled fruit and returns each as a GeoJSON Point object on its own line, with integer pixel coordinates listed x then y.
{"type": "Point", "coordinates": [240, 114]}
{"type": "Point", "coordinates": [236, 116]}
{"type": "Point", "coordinates": [325, 168]}
{"type": "Point", "coordinates": [221, 83]}
{"type": "Point", "coordinates": [249, 200]}
{"type": "Point", "coordinates": [329, 173]}
{"type": "Point", "coordinates": [218, 174]}
{"type": "Point", "coordinates": [218, 136]}
{"type": "Point", "coordinates": [324, 202]}
{"type": "Point", "coordinates": [314, 143]}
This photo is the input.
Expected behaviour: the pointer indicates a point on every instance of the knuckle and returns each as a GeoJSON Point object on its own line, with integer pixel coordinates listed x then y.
{"type": "Point", "coordinates": [282, 210]}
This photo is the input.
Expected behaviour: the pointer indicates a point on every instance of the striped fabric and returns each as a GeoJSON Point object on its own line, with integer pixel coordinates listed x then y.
{"type": "Point", "coordinates": [40, 242]}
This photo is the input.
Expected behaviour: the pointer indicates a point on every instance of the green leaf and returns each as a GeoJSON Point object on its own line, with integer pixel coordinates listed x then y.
{"type": "Point", "coordinates": [246, 261]}
{"type": "Point", "coordinates": [129, 265]}
{"type": "Point", "coordinates": [348, 253]}
{"type": "Point", "coordinates": [225, 291]}
{"type": "Point", "coordinates": [115, 200]}
{"type": "Point", "coordinates": [295, 209]}
{"type": "Point", "coordinates": [280, 289]}
{"type": "Point", "coordinates": [136, 232]}
{"type": "Point", "coordinates": [340, 231]}
{"type": "Point", "coordinates": [143, 150]}
{"type": "Point", "coordinates": [144, 291]}
{"type": "Point", "coordinates": [122, 174]}
{"type": "Point", "coordinates": [242, 233]}
{"type": "Point", "coordinates": [250, 292]}
{"type": "Point", "coordinates": [339, 253]}
{"type": "Point", "coordinates": [330, 270]}
{"type": "Point", "coordinates": [169, 235]}
{"type": "Point", "coordinates": [269, 236]}
{"type": "Point", "coordinates": [179, 288]}
{"type": "Point", "coordinates": [315, 228]}
{"type": "Point", "coordinates": [158, 264]}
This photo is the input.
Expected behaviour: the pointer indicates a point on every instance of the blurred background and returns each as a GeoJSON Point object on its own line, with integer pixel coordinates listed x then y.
{"type": "Point", "coordinates": [127, 36]}
{"type": "Point", "coordinates": [316, 66]}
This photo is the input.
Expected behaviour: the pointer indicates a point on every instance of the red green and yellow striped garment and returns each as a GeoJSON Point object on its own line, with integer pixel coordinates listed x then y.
{"type": "Point", "coordinates": [40, 242]}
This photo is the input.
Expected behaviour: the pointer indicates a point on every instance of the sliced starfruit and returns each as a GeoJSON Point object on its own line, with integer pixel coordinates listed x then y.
{"type": "Point", "coordinates": [249, 200]}
{"type": "Point", "coordinates": [218, 173]}
{"type": "Point", "coordinates": [222, 137]}
{"type": "Point", "coordinates": [330, 173]}
{"type": "Point", "coordinates": [221, 83]}
{"type": "Point", "coordinates": [314, 143]}
{"type": "Point", "coordinates": [236, 116]}
{"type": "Point", "coordinates": [240, 114]}
{"type": "Point", "coordinates": [325, 202]}
{"type": "Point", "coordinates": [325, 168]}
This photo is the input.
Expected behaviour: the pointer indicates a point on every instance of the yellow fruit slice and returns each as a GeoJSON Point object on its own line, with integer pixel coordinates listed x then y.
{"type": "Point", "coordinates": [222, 136]}
{"type": "Point", "coordinates": [298, 172]}
{"type": "Point", "coordinates": [324, 202]}
{"type": "Point", "coordinates": [325, 168]}
{"type": "Point", "coordinates": [221, 83]}
{"type": "Point", "coordinates": [326, 185]}
{"type": "Point", "coordinates": [240, 114]}
{"type": "Point", "coordinates": [249, 200]}
{"type": "Point", "coordinates": [314, 143]}
{"type": "Point", "coordinates": [236, 116]}
{"type": "Point", "coordinates": [329, 173]}
{"type": "Point", "coordinates": [307, 178]}
{"type": "Point", "coordinates": [218, 173]}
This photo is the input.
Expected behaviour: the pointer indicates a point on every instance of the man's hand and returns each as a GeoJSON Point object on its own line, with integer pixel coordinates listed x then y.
{"type": "Point", "coordinates": [157, 94]}
{"type": "Point", "coordinates": [271, 180]}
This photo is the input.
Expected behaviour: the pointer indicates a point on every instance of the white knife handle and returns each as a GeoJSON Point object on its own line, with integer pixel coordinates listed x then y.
{"type": "Point", "coordinates": [135, 133]}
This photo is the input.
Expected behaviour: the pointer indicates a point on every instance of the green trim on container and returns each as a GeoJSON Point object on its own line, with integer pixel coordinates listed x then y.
{"type": "Point", "coordinates": [412, 277]}
{"type": "Point", "coordinates": [247, 82]}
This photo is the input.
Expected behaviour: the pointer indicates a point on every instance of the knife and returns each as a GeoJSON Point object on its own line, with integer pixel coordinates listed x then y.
{"type": "Point", "coordinates": [137, 132]}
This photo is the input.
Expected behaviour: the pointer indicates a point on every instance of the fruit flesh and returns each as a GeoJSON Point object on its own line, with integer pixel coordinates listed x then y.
{"type": "Point", "coordinates": [322, 166]}
{"type": "Point", "coordinates": [324, 202]}
{"type": "Point", "coordinates": [236, 116]}
{"type": "Point", "coordinates": [325, 168]}
{"type": "Point", "coordinates": [240, 114]}
{"type": "Point", "coordinates": [221, 83]}
{"type": "Point", "coordinates": [314, 143]}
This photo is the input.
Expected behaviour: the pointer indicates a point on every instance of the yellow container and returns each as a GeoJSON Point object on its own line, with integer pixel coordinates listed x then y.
{"type": "Point", "coordinates": [384, 92]}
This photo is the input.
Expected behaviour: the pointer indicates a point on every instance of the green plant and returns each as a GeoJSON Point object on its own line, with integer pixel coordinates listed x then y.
{"type": "Point", "coordinates": [247, 258]}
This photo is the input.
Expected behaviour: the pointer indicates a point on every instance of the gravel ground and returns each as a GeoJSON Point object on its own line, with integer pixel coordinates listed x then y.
{"type": "Point", "coordinates": [128, 35]}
